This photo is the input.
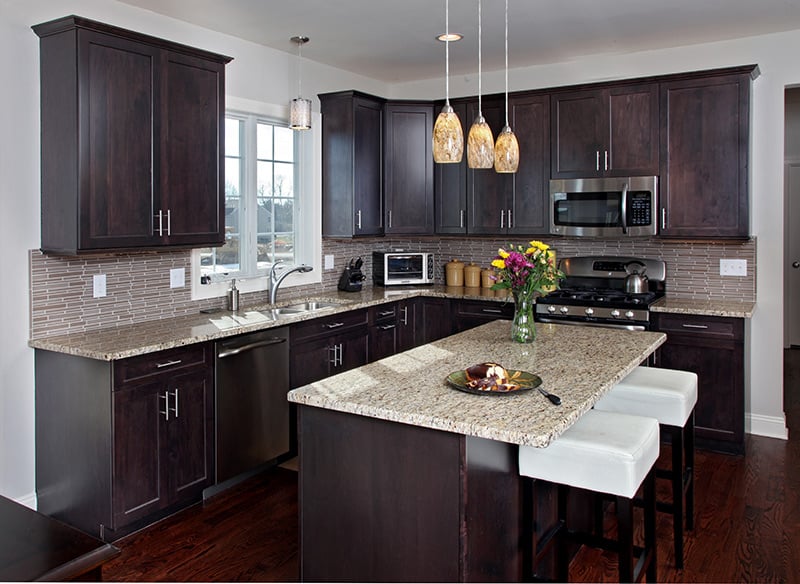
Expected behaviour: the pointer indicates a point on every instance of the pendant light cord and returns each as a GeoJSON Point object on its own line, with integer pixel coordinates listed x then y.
{"type": "Point", "coordinates": [447, 52]}
{"type": "Point", "coordinates": [300, 67]}
{"type": "Point", "coordinates": [480, 109]}
{"type": "Point", "coordinates": [507, 64]}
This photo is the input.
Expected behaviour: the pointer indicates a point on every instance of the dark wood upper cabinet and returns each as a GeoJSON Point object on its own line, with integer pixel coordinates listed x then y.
{"type": "Point", "coordinates": [609, 131]}
{"type": "Point", "coordinates": [352, 156]}
{"type": "Point", "coordinates": [450, 183]}
{"type": "Point", "coordinates": [408, 168]}
{"type": "Point", "coordinates": [705, 134]}
{"type": "Point", "coordinates": [132, 140]}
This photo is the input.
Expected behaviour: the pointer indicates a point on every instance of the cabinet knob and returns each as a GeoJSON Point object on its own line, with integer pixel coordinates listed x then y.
{"type": "Point", "coordinates": [796, 265]}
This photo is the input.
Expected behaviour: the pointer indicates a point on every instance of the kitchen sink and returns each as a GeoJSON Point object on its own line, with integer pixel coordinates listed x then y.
{"type": "Point", "coordinates": [311, 306]}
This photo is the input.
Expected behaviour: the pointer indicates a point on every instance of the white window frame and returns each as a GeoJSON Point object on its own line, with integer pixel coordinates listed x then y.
{"type": "Point", "coordinates": [308, 238]}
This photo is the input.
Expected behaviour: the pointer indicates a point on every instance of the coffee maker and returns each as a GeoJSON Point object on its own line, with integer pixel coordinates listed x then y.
{"type": "Point", "coordinates": [352, 276]}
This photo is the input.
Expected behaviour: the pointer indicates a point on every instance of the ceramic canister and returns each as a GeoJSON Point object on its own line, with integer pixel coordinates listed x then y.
{"type": "Point", "coordinates": [486, 278]}
{"type": "Point", "coordinates": [454, 273]}
{"type": "Point", "coordinates": [472, 276]}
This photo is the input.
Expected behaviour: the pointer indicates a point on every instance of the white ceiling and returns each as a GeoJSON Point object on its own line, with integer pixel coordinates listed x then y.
{"type": "Point", "coordinates": [394, 41]}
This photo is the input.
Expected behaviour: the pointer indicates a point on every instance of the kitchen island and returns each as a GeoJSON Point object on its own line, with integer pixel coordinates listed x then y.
{"type": "Point", "coordinates": [403, 478]}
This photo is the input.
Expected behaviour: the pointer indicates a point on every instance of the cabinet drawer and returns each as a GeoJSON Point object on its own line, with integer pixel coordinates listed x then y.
{"type": "Point", "coordinates": [485, 308]}
{"type": "Point", "coordinates": [708, 326]}
{"type": "Point", "coordinates": [327, 325]}
{"type": "Point", "coordinates": [144, 366]}
{"type": "Point", "coordinates": [384, 313]}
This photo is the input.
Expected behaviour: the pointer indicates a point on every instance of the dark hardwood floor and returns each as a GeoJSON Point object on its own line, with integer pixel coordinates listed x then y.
{"type": "Point", "coordinates": [747, 524]}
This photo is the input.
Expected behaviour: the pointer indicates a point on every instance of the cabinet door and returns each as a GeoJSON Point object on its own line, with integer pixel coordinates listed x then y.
{"type": "Point", "coordinates": [435, 319]}
{"type": "Point", "coordinates": [191, 129]}
{"type": "Point", "coordinates": [311, 361]}
{"type": "Point", "coordinates": [633, 146]}
{"type": "Point", "coordinates": [353, 349]}
{"type": "Point", "coordinates": [529, 206]}
{"type": "Point", "coordinates": [488, 192]}
{"type": "Point", "coordinates": [408, 168]}
{"type": "Point", "coordinates": [140, 484]}
{"type": "Point", "coordinates": [704, 141]}
{"type": "Point", "coordinates": [713, 348]}
{"type": "Point", "coordinates": [367, 180]}
{"type": "Point", "coordinates": [579, 131]}
{"type": "Point", "coordinates": [190, 434]}
{"type": "Point", "coordinates": [450, 185]}
{"type": "Point", "coordinates": [118, 95]}
{"type": "Point", "coordinates": [406, 324]}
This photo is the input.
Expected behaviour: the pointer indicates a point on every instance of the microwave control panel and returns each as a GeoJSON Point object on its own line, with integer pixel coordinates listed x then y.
{"type": "Point", "coordinates": [639, 209]}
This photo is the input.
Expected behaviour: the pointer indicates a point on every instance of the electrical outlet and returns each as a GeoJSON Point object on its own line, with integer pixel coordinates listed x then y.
{"type": "Point", "coordinates": [177, 278]}
{"type": "Point", "coordinates": [98, 285]}
{"type": "Point", "coordinates": [328, 261]}
{"type": "Point", "coordinates": [732, 267]}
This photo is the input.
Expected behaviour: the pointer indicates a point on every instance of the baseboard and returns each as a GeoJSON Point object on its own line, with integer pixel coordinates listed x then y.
{"type": "Point", "coordinates": [28, 500]}
{"type": "Point", "coordinates": [769, 426]}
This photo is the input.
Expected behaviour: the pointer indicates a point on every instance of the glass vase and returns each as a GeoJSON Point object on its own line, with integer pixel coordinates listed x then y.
{"type": "Point", "coordinates": [523, 327]}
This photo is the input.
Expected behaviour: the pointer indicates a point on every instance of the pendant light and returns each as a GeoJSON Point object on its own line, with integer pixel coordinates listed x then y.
{"type": "Point", "coordinates": [506, 150]}
{"type": "Point", "coordinates": [480, 143]}
{"type": "Point", "coordinates": [300, 109]}
{"type": "Point", "coordinates": [448, 137]}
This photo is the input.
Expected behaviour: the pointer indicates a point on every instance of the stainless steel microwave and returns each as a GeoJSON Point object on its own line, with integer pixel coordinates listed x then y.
{"type": "Point", "coordinates": [399, 268]}
{"type": "Point", "coordinates": [604, 207]}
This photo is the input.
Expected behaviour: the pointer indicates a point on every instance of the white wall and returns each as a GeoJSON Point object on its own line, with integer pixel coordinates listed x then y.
{"type": "Point", "coordinates": [262, 74]}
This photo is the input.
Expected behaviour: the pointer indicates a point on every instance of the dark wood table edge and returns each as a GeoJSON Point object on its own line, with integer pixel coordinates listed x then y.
{"type": "Point", "coordinates": [89, 563]}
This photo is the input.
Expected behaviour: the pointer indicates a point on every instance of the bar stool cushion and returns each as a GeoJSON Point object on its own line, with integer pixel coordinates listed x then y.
{"type": "Point", "coordinates": [668, 395]}
{"type": "Point", "coordinates": [605, 452]}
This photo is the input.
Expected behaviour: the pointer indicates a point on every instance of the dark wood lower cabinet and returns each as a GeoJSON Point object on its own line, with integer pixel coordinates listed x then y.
{"type": "Point", "coordinates": [712, 347]}
{"type": "Point", "coordinates": [435, 320]}
{"type": "Point", "coordinates": [468, 314]}
{"type": "Point", "coordinates": [120, 444]}
{"type": "Point", "coordinates": [388, 502]}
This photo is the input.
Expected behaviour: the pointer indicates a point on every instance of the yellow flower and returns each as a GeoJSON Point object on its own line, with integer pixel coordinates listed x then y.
{"type": "Point", "coordinates": [502, 253]}
{"type": "Point", "coordinates": [539, 245]}
{"type": "Point", "coordinates": [499, 263]}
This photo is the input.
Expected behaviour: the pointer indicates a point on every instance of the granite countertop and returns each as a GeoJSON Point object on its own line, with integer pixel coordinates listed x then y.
{"type": "Point", "coordinates": [731, 308]}
{"type": "Point", "coordinates": [579, 364]}
{"type": "Point", "coordinates": [157, 335]}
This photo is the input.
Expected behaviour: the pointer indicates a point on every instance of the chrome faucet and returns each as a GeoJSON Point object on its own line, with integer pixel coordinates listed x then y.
{"type": "Point", "coordinates": [275, 280]}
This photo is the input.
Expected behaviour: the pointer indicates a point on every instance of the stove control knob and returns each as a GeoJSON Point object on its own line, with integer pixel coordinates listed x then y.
{"type": "Point", "coordinates": [551, 309]}
{"type": "Point", "coordinates": [589, 311]}
{"type": "Point", "coordinates": [563, 310]}
{"type": "Point", "coordinates": [615, 313]}
{"type": "Point", "coordinates": [629, 314]}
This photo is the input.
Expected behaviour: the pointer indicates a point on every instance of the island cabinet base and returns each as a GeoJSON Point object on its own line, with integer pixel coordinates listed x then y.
{"type": "Point", "coordinates": [385, 502]}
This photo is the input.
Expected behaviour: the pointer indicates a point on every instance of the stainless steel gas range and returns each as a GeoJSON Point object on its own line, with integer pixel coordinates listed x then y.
{"type": "Point", "coordinates": [594, 292]}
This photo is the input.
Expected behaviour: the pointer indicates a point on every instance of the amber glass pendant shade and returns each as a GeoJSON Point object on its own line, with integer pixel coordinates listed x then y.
{"type": "Point", "coordinates": [300, 114]}
{"type": "Point", "coordinates": [480, 145]}
{"type": "Point", "coordinates": [506, 151]}
{"type": "Point", "coordinates": [448, 137]}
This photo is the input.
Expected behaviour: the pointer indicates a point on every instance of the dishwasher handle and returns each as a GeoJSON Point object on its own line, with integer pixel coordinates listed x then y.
{"type": "Point", "coordinates": [249, 346]}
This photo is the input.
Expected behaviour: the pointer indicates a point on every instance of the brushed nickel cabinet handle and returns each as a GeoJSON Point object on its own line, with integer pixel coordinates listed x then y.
{"type": "Point", "coordinates": [694, 326]}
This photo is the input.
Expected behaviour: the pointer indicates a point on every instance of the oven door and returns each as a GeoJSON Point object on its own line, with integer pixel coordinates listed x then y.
{"type": "Point", "coordinates": [614, 325]}
{"type": "Point", "coordinates": [405, 267]}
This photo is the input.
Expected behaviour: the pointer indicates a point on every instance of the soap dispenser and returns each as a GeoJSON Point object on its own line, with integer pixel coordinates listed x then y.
{"type": "Point", "coordinates": [233, 296]}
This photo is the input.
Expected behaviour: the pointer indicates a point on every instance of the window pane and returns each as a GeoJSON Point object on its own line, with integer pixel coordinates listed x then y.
{"type": "Point", "coordinates": [284, 180]}
{"type": "Point", "coordinates": [284, 215]}
{"type": "Point", "coordinates": [232, 133]}
{"type": "Point", "coordinates": [264, 138]}
{"type": "Point", "coordinates": [264, 179]}
{"type": "Point", "coordinates": [284, 144]}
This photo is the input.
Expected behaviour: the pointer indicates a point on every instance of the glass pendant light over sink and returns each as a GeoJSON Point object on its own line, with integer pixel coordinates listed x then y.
{"type": "Point", "coordinates": [480, 143]}
{"type": "Point", "coordinates": [448, 137]}
{"type": "Point", "coordinates": [299, 108]}
{"type": "Point", "coordinates": [506, 150]}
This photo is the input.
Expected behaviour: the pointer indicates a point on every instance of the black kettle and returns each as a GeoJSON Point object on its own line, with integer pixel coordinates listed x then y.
{"type": "Point", "coordinates": [635, 281]}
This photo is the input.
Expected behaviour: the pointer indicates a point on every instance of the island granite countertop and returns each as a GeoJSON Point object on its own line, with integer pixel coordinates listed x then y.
{"type": "Point", "coordinates": [155, 335]}
{"type": "Point", "coordinates": [579, 364]}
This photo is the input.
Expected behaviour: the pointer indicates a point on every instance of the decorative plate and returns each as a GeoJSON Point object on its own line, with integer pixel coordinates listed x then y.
{"type": "Point", "coordinates": [525, 380]}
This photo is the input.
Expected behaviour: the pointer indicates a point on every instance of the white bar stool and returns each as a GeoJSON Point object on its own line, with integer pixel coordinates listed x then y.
{"type": "Point", "coordinates": [670, 396]}
{"type": "Point", "coordinates": [603, 452]}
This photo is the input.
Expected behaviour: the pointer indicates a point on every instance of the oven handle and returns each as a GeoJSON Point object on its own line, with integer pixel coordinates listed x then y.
{"type": "Point", "coordinates": [627, 327]}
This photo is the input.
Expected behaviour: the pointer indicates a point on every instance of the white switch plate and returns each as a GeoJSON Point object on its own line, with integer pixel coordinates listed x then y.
{"type": "Point", "coordinates": [99, 285]}
{"type": "Point", "coordinates": [732, 267]}
{"type": "Point", "coordinates": [328, 261]}
{"type": "Point", "coordinates": [177, 278]}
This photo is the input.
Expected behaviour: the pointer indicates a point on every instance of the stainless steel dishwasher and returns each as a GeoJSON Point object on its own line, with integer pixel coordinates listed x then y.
{"type": "Point", "coordinates": [252, 413]}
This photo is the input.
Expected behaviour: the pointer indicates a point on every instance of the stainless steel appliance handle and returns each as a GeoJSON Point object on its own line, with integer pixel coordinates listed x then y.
{"type": "Point", "coordinates": [625, 208]}
{"type": "Point", "coordinates": [249, 346]}
{"type": "Point", "coordinates": [627, 327]}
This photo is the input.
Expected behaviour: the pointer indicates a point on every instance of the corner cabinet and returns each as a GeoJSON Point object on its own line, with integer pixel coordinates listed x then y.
{"type": "Point", "coordinates": [352, 171]}
{"type": "Point", "coordinates": [408, 168]}
{"type": "Point", "coordinates": [132, 140]}
{"type": "Point", "coordinates": [705, 137]}
{"type": "Point", "coordinates": [120, 444]}
{"type": "Point", "coordinates": [605, 132]}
